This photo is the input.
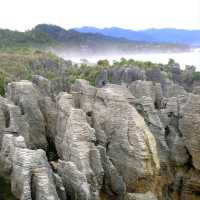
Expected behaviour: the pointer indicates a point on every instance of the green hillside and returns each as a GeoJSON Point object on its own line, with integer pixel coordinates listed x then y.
{"type": "Point", "coordinates": [23, 54]}
{"type": "Point", "coordinates": [56, 38]}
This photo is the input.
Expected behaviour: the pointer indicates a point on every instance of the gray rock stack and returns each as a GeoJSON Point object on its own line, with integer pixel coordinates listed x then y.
{"type": "Point", "coordinates": [138, 139]}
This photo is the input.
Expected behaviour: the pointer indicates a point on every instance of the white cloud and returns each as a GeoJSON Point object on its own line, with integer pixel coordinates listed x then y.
{"type": "Point", "coordinates": [133, 14]}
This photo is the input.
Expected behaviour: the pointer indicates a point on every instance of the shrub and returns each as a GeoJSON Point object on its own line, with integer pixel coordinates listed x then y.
{"type": "Point", "coordinates": [2, 84]}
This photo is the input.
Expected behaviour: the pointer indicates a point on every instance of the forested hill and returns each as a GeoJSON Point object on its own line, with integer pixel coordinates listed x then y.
{"type": "Point", "coordinates": [46, 36]}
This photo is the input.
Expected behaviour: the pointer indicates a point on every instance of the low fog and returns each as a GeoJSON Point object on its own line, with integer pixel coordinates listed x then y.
{"type": "Point", "coordinates": [183, 58]}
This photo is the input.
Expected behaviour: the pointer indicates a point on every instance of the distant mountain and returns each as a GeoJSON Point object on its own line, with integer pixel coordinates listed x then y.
{"type": "Point", "coordinates": [189, 37]}
{"type": "Point", "coordinates": [71, 41]}
{"type": "Point", "coordinates": [117, 32]}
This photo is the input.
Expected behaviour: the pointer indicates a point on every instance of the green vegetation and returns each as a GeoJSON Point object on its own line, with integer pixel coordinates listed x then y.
{"type": "Point", "coordinates": [89, 72]}
{"type": "Point", "coordinates": [46, 36]}
{"type": "Point", "coordinates": [5, 190]}
{"type": "Point", "coordinates": [14, 40]}
{"type": "Point", "coordinates": [134, 63]}
{"type": "Point", "coordinates": [2, 84]}
{"type": "Point", "coordinates": [18, 63]}
{"type": "Point", "coordinates": [22, 63]}
{"type": "Point", "coordinates": [196, 76]}
{"type": "Point", "coordinates": [104, 63]}
{"type": "Point", "coordinates": [84, 71]}
{"type": "Point", "coordinates": [23, 54]}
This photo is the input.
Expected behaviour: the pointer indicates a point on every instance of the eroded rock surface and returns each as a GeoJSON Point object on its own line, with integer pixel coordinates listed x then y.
{"type": "Point", "coordinates": [134, 141]}
{"type": "Point", "coordinates": [27, 98]}
{"type": "Point", "coordinates": [122, 131]}
{"type": "Point", "coordinates": [75, 143]}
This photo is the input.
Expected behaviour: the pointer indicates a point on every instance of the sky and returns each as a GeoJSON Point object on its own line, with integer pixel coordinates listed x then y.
{"type": "Point", "coordinates": [131, 14]}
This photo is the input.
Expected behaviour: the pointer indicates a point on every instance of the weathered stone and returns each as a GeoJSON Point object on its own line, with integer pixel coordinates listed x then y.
{"type": "Point", "coordinates": [138, 141]}
{"type": "Point", "coordinates": [190, 188]}
{"type": "Point", "coordinates": [154, 75]}
{"type": "Point", "coordinates": [59, 186]}
{"type": "Point", "coordinates": [49, 111]}
{"type": "Point", "coordinates": [117, 76]}
{"type": "Point", "coordinates": [64, 103]}
{"type": "Point", "coordinates": [127, 75]}
{"type": "Point", "coordinates": [27, 97]}
{"type": "Point", "coordinates": [145, 106]}
{"type": "Point", "coordinates": [189, 125]}
{"type": "Point", "coordinates": [147, 88]}
{"type": "Point", "coordinates": [172, 90]}
{"type": "Point", "coordinates": [42, 84]}
{"type": "Point", "coordinates": [113, 181]}
{"type": "Point", "coordinates": [196, 90]}
{"type": "Point", "coordinates": [101, 78]}
{"type": "Point", "coordinates": [8, 146]}
{"type": "Point", "coordinates": [32, 176]}
{"type": "Point", "coordinates": [170, 117]}
{"type": "Point", "coordinates": [129, 143]}
{"type": "Point", "coordinates": [12, 121]}
{"type": "Point", "coordinates": [140, 196]}
{"type": "Point", "coordinates": [75, 144]}
{"type": "Point", "coordinates": [131, 74]}
{"type": "Point", "coordinates": [86, 92]}
{"type": "Point", "coordinates": [75, 182]}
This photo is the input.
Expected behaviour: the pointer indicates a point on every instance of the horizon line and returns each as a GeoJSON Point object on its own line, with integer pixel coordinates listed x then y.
{"type": "Point", "coordinates": [111, 27]}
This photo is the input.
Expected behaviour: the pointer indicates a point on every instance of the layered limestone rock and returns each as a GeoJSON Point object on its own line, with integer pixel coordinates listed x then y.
{"type": "Point", "coordinates": [145, 107]}
{"type": "Point", "coordinates": [29, 171]}
{"type": "Point", "coordinates": [51, 88]}
{"type": "Point", "coordinates": [75, 144]}
{"type": "Point", "coordinates": [139, 140]}
{"type": "Point", "coordinates": [114, 185]}
{"type": "Point", "coordinates": [37, 111]}
{"type": "Point", "coordinates": [101, 79]}
{"type": "Point", "coordinates": [12, 121]}
{"type": "Point", "coordinates": [189, 125]}
{"type": "Point", "coordinates": [32, 176]}
{"type": "Point", "coordinates": [147, 88]}
{"type": "Point", "coordinates": [138, 196]}
{"type": "Point", "coordinates": [8, 146]}
{"type": "Point", "coordinates": [49, 111]}
{"type": "Point", "coordinates": [131, 74]}
{"type": "Point", "coordinates": [119, 75]}
{"type": "Point", "coordinates": [129, 143]}
{"type": "Point", "coordinates": [170, 90]}
{"type": "Point", "coordinates": [27, 97]}
{"type": "Point", "coordinates": [196, 90]}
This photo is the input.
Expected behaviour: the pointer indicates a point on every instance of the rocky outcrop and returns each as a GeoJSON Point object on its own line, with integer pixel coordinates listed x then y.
{"type": "Point", "coordinates": [189, 125]}
{"type": "Point", "coordinates": [75, 144]}
{"type": "Point", "coordinates": [147, 88]}
{"type": "Point", "coordinates": [138, 196]}
{"type": "Point", "coordinates": [27, 97]}
{"type": "Point", "coordinates": [12, 122]}
{"type": "Point", "coordinates": [138, 140]}
{"type": "Point", "coordinates": [119, 75]}
{"type": "Point", "coordinates": [9, 144]}
{"type": "Point", "coordinates": [122, 131]}
{"type": "Point", "coordinates": [101, 79]}
{"type": "Point", "coordinates": [170, 90]}
{"type": "Point", "coordinates": [30, 173]}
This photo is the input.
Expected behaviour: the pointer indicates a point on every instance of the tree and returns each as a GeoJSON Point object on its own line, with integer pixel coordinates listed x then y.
{"type": "Point", "coordinates": [104, 63]}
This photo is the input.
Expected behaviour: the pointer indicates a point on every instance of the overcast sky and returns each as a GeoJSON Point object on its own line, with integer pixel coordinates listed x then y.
{"type": "Point", "coordinates": [132, 14]}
